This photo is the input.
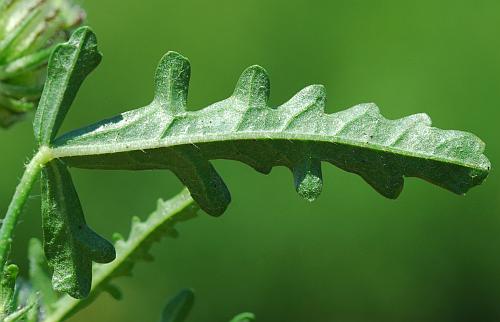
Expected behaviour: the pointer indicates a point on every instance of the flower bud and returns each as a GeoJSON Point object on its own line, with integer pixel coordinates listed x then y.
{"type": "Point", "coordinates": [29, 31]}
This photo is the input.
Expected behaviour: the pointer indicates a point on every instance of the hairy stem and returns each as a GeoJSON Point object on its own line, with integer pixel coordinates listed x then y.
{"type": "Point", "coordinates": [19, 199]}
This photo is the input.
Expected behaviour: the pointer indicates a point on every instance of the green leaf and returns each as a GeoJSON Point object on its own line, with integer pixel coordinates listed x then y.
{"type": "Point", "coordinates": [69, 65]}
{"type": "Point", "coordinates": [178, 307]}
{"type": "Point", "coordinates": [39, 275]}
{"type": "Point", "coordinates": [135, 248]}
{"type": "Point", "coordinates": [298, 135]}
{"type": "Point", "coordinates": [70, 245]}
{"type": "Point", "coordinates": [244, 317]}
{"type": "Point", "coordinates": [142, 235]}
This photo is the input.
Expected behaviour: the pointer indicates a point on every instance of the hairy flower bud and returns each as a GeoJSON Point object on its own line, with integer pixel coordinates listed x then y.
{"type": "Point", "coordinates": [29, 30]}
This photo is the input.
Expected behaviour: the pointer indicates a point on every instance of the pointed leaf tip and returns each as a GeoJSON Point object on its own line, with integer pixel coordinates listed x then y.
{"type": "Point", "coordinates": [172, 82]}
{"type": "Point", "coordinates": [253, 87]}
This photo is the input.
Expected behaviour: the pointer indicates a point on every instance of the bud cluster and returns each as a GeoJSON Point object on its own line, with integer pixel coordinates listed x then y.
{"type": "Point", "coordinates": [29, 30]}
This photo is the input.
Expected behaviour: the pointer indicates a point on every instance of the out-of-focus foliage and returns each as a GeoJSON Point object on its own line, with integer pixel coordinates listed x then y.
{"type": "Point", "coordinates": [135, 248]}
{"type": "Point", "coordinates": [29, 30]}
{"type": "Point", "coordinates": [177, 308]}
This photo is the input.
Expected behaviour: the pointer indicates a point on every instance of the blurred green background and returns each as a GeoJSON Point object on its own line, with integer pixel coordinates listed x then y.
{"type": "Point", "coordinates": [351, 255]}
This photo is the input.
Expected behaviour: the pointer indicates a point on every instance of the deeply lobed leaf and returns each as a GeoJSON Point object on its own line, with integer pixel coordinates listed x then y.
{"type": "Point", "coordinates": [298, 135]}
{"type": "Point", "coordinates": [70, 245]}
{"type": "Point", "coordinates": [165, 135]}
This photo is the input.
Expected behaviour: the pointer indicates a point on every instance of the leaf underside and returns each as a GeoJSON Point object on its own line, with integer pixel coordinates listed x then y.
{"type": "Point", "coordinates": [69, 244]}
{"type": "Point", "coordinates": [165, 135]}
{"type": "Point", "coordinates": [298, 135]}
{"type": "Point", "coordinates": [69, 64]}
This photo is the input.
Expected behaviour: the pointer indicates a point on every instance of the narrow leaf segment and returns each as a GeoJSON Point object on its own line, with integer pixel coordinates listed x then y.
{"type": "Point", "coordinates": [69, 65]}
{"type": "Point", "coordinates": [70, 245]}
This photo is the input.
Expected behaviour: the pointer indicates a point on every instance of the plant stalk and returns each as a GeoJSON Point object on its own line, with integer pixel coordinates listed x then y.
{"type": "Point", "coordinates": [19, 199]}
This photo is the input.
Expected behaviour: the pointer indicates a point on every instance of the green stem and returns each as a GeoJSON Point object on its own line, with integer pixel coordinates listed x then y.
{"type": "Point", "coordinates": [20, 196]}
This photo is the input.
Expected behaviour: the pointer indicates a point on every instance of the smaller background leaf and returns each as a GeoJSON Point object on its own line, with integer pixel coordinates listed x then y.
{"type": "Point", "coordinates": [135, 248]}
{"type": "Point", "coordinates": [178, 308]}
{"type": "Point", "coordinates": [244, 317]}
{"type": "Point", "coordinates": [39, 275]}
